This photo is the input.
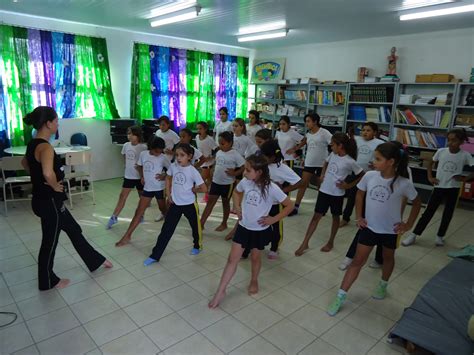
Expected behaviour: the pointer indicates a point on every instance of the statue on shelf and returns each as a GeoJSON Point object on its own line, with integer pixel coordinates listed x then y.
{"type": "Point", "coordinates": [392, 63]}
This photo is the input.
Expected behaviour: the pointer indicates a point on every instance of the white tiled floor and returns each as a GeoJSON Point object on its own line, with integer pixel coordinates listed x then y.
{"type": "Point", "coordinates": [162, 309]}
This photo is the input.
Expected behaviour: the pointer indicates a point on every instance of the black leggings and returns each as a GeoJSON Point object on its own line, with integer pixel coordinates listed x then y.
{"type": "Point", "coordinates": [449, 197]}
{"type": "Point", "coordinates": [191, 212]}
{"type": "Point", "coordinates": [55, 218]}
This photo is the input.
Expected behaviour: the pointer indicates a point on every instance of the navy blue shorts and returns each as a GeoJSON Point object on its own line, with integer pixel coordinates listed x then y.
{"type": "Point", "coordinates": [369, 238]}
{"type": "Point", "coordinates": [326, 201]}
{"type": "Point", "coordinates": [132, 184]}
{"type": "Point", "coordinates": [156, 194]}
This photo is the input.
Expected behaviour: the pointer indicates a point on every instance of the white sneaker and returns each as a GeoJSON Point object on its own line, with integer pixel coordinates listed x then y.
{"type": "Point", "coordinates": [159, 218]}
{"type": "Point", "coordinates": [439, 241]}
{"type": "Point", "coordinates": [345, 263]}
{"type": "Point", "coordinates": [411, 239]}
{"type": "Point", "coordinates": [375, 265]}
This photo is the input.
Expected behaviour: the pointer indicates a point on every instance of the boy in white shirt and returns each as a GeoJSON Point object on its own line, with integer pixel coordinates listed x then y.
{"type": "Point", "coordinates": [223, 125]}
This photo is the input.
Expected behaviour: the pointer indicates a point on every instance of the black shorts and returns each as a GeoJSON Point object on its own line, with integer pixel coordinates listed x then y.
{"type": "Point", "coordinates": [156, 194]}
{"type": "Point", "coordinates": [313, 170]}
{"type": "Point", "coordinates": [224, 191]}
{"type": "Point", "coordinates": [325, 201]}
{"type": "Point", "coordinates": [252, 239]}
{"type": "Point", "coordinates": [132, 184]}
{"type": "Point", "coordinates": [370, 238]}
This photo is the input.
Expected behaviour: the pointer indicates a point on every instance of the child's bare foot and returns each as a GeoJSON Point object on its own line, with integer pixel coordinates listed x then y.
{"type": "Point", "coordinates": [301, 250]}
{"type": "Point", "coordinates": [343, 223]}
{"type": "Point", "coordinates": [124, 241]}
{"type": "Point", "coordinates": [216, 300]}
{"type": "Point", "coordinates": [63, 283]}
{"type": "Point", "coordinates": [221, 227]}
{"type": "Point", "coordinates": [328, 247]}
{"type": "Point", "coordinates": [107, 264]}
{"type": "Point", "coordinates": [253, 288]}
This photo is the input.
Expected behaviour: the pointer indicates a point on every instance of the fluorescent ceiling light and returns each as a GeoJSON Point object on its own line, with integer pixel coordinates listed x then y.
{"type": "Point", "coordinates": [440, 12]}
{"type": "Point", "coordinates": [259, 36]}
{"type": "Point", "coordinates": [262, 28]}
{"type": "Point", "coordinates": [173, 7]}
{"type": "Point", "coordinates": [414, 4]}
{"type": "Point", "coordinates": [177, 17]}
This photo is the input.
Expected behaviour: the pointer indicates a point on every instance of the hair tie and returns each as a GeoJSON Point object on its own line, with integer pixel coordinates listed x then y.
{"type": "Point", "coordinates": [277, 151]}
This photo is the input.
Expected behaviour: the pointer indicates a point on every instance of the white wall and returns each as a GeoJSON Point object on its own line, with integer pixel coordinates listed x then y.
{"type": "Point", "coordinates": [436, 52]}
{"type": "Point", "coordinates": [107, 162]}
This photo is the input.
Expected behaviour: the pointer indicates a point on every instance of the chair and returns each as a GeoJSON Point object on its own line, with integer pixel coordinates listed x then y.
{"type": "Point", "coordinates": [79, 139]}
{"type": "Point", "coordinates": [74, 160]}
{"type": "Point", "coordinates": [12, 164]}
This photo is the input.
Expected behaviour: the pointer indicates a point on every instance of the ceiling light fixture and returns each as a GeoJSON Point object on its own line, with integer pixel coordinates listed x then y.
{"type": "Point", "coordinates": [267, 35]}
{"type": "Point", "coordinates": [262, 28]}
{"type": "Point", "coordinates": [179, 16]}
{"type": "Point", "coordinates": [414, 4]}
{"type": "Point", "coordinates": [439, 12]}
{"type": "Point", "coordinates": [173, 7]}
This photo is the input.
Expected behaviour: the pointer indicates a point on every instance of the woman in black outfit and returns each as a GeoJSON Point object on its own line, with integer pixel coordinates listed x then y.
{"type": "Point", "coordinates": [46, 172]}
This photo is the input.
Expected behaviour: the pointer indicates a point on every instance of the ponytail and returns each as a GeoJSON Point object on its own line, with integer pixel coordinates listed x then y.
{"type": "Point", "coordinates": [271, 150]}
{"type": "Point", "coordinates": [349, 143]}
{"type": "Point", "coordinates": [394, 150]}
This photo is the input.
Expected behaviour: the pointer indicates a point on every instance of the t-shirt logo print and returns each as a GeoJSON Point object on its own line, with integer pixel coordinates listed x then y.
{"type": "Point", "coordinates": [253, 198]}
{"type": "Point", "coordinates": [363, 149]}
{"type": "Point", "coordinates": [148, 166]}
{"type": "Point", "coordinates": [220, 161]}
{"type": "Point", "coordinates": [450, 167]}
{"type": "Point", "coordinates": [179, 179]}
{"type": "Point", "coordinates": [131, 155]}
{"type": "Point", "coordinates": [379, 193]}
{"type": "Point", "coordinates": [332, 168]}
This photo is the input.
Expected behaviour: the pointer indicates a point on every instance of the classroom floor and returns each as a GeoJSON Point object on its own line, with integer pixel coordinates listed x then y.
{"type": "Point", "coordinates": [131, 309]}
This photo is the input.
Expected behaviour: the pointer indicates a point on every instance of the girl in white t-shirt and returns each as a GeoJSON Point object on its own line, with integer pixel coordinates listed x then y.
{"type": "Point", "coordinates": [131, 152]}
{"type": "Point", "coordinates": [182, 184]}
{"type": "Point", "coordinates": [254, 124]}
{"type": "Point", "coordinates": [287, 138]}
{"type": "Point", "coordinates": [383, 191]}
{"type": "Point", "coordinates": [317, 140]}
{"type": "Point", "coordinates": [185, 137]}
{"type": "Point", "coordinates": [340, 163]}
{"type": "Point", "coordinates": [254, 196]}
{"type": "Point", "coordinates": [242, 143]}
{"type": "Point", "coordinates": [223, 125]}
{"type": "Point", "coordinates": [152, 165]}
{"type": "Point", "coordinates": [169, 136]}
{"type": "Point", "coordinates": [229, 164]}
{"type": "Point", "coordinates": [206, 144]}
{"type": "Point", "coordinates": [450, 165]}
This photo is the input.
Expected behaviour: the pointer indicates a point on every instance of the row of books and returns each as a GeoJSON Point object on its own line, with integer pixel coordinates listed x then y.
{"type": "Point", "coordinates": [264, 107]}
{"type": "Point", "coordinates": [440, 119]}
{"type": "Point", "coordinates": [299, 95]}
{"type": "Point", "coordinates": [373, 114]}
{"type": "Point", "coordinates": [290, 110]}
{"type": "Point", "coordinates": [371, 94]}
{"type": "Point", "coordinates": [332, 120]}
{"type": "Point", "coordinates": [419, 138]}
{"type": "Point", "coordinates": [327, 97]}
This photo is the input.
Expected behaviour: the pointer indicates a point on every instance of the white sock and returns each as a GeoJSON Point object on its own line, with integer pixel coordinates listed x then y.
{"type": "Point", "coordinates": [383, 282]}
{"type": "Point", "coordinates": [341, 293]}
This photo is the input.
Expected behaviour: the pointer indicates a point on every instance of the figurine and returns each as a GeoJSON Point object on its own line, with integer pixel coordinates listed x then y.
{"type": "Point", "coordinates": [392, 63]}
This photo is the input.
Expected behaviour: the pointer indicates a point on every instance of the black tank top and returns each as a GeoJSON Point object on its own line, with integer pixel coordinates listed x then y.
{"type": "Point", "coordinates": [40, 189]}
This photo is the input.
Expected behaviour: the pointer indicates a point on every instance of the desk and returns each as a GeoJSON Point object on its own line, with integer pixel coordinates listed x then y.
{"type": "Point", "coordinates": [21, 150]}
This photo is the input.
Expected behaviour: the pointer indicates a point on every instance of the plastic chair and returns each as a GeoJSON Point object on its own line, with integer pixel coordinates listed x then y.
{"type": "Point", "coordinates": [79, 139]}
{"type": "Point", "coordinates": [12, 164]}
{"type": "Point", "coordinates": [82, 160]}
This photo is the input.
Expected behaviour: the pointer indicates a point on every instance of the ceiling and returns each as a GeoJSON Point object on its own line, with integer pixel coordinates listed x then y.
{"type": "Point", "coordinates": [309, 21]}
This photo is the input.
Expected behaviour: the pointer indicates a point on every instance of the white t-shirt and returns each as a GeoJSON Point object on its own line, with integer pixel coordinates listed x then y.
{"type": "Point", "coordinates": [287, 140]}
{"type": "Point", "coordinates": [283, 173]}
{"type": "Point", "coordinates": [382, 206]}
{"type": "Point", "coordinates": [224, 161]}
{"type": "Point", "coordinates": [252, 130]}
{"type": "Point", "coordinates": [365, 151]}
{"type": "Point", "coordinates": [450, 165]}
{"type": "Point", "coordinates": [171, 138]}
{"type": "Point", "coordinates": [253, 149]}
{"type": "Point", "coordinates": [153, 165]}
{"type": "Point", "coordinates": [196, 156]}
{"type": "Point", "coordinates": [254, 205]}
{"type": "Point", "coordinates": [206, 146]}
{"type": "Point", "coordinates": [337, 170]}
{"type": "Point", "coordinates": [317, 147]}
{"type": "Point", "coordinates": [132, 153]}
{"type": "Point", "coordinates": [242, 143]}
{"type": "Point", "coordinates": [184, 179]}
{"type": "Point", "coordinates": [221, 127]}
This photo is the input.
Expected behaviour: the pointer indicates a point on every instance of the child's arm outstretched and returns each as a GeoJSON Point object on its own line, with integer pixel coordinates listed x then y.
{"type": "Point", "coordinates": [288, 206]}
{"type": "Point", "coordinates": [402, 227]}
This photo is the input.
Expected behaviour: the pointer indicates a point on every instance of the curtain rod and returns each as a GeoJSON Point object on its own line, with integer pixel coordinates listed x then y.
{"type": "Point", "coordinates": [194, 49]}
{"type": "Point", "coordinates": [49, 30]}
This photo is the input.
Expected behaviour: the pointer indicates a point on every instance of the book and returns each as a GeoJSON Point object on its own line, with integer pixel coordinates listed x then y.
{"type": "Point", "coordinates": [444, 122]}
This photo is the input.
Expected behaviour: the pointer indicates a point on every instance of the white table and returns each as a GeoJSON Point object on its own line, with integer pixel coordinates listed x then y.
{"type": "Point", "coordinates": [21, 150]}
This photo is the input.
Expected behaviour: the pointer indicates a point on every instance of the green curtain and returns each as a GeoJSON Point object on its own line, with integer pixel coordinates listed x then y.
{"type": "Point", "coordinates": [16, 80]}
{"type": "Point", "coordinates": [140, 95]}
{"type": "Point", "coordinates": [242, 86]}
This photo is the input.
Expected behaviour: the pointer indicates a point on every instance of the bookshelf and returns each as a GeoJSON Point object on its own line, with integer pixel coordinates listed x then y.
{"type": "Point", "coordinates": [329, 102]}
{"type": "Point", "coordinates": [463, 113]}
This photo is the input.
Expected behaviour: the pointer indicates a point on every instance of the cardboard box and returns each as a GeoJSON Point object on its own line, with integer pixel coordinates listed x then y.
{"type": "Point", "coordinates": [423, 78]}
{"type": "Point", "coordinates": [465, 119]}
{"type": "Point", "coordinates": [441, 78]}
